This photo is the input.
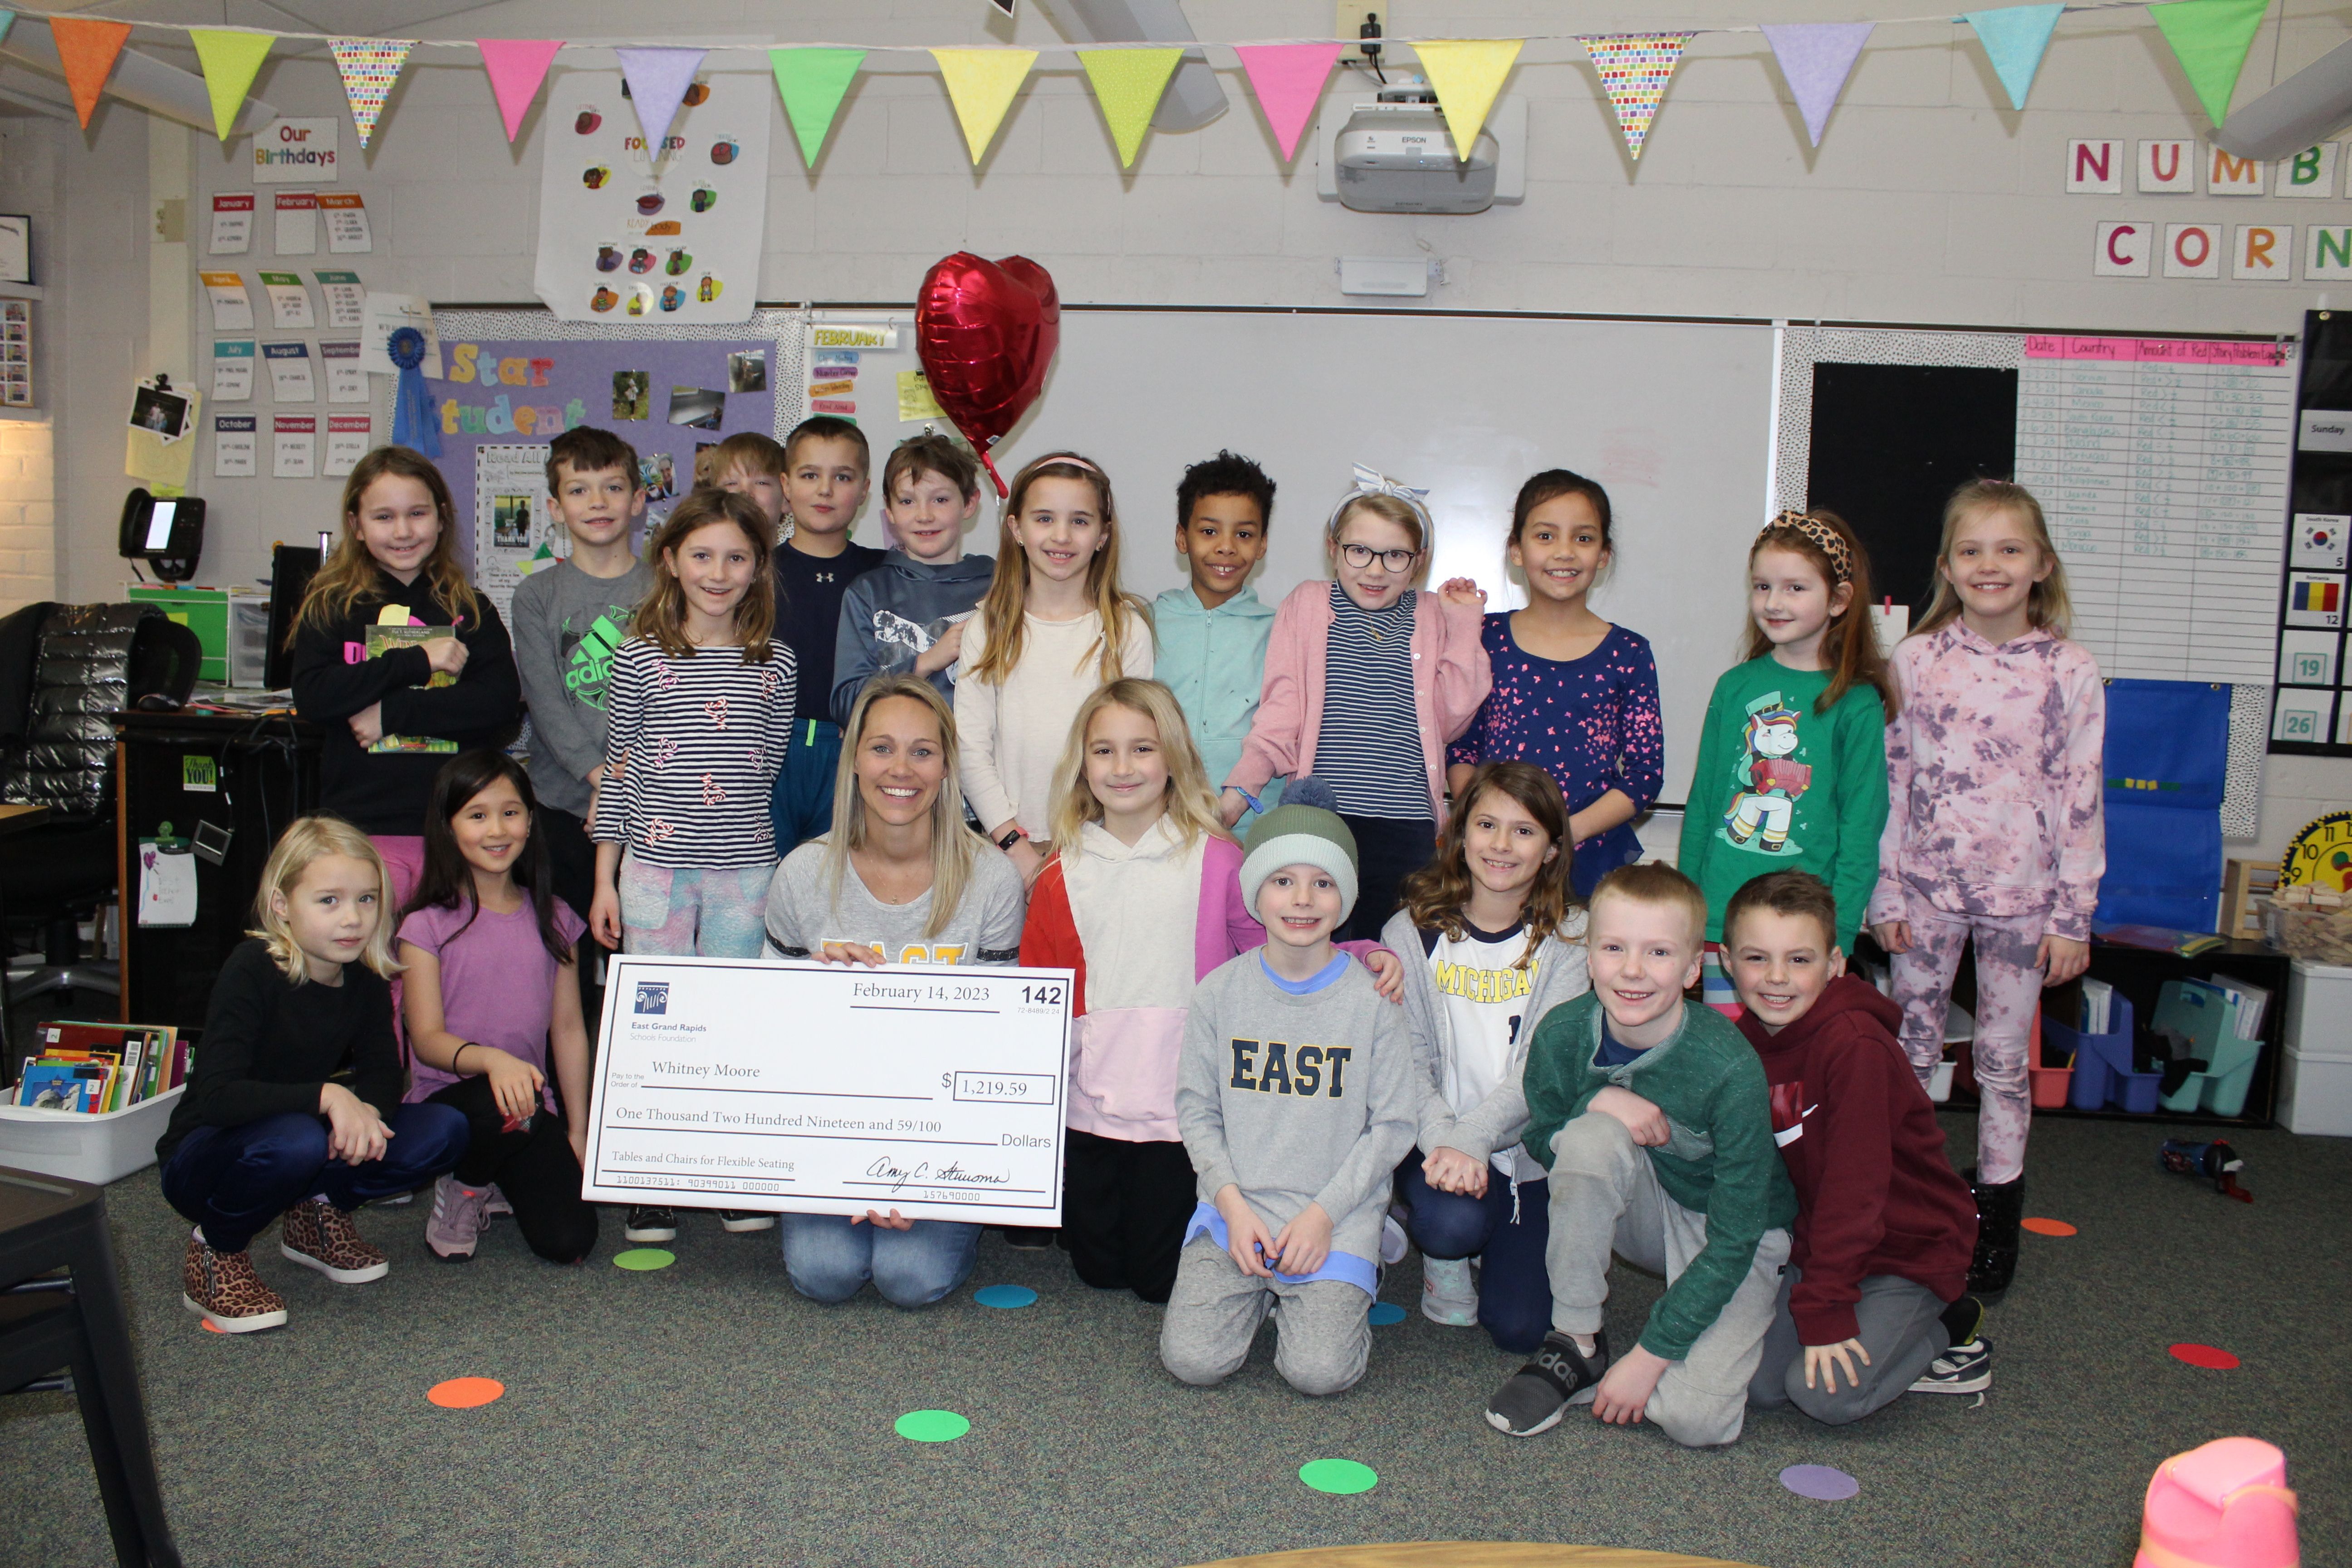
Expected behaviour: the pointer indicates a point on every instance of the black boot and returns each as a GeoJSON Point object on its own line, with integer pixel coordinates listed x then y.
{"type": "Point", "coordinates": [1999, 1207]}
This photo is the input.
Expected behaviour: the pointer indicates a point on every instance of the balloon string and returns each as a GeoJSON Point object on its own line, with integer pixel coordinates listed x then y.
{"type": "Point", "coordinates": [1002, 490]}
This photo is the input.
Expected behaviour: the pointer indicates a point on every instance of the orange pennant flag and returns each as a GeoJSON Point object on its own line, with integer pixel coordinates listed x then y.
{"type": "Point", "coordinates": [87, 50]}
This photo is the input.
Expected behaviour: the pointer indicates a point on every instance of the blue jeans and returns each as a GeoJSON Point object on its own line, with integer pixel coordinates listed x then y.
{"type": "Point", "coordinates": [234, 1180]}
{"type": "Point", "coordinates": [830, 1260]}
{"type": "Point", "coordinates": [1514, 1292]}
{"type": "Point", "coordinates": [800, 806]}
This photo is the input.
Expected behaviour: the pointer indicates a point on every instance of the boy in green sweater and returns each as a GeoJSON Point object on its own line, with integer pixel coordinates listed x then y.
{"type": "Point", "coordinates": [1653, 1119]}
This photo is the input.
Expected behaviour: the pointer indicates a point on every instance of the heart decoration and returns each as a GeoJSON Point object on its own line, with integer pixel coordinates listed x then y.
{"type": "Point", "coordinates": [986, 333]}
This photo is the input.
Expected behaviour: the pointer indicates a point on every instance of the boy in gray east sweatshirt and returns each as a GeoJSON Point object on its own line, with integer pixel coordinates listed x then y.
{"type": "Point", "coordinates": [1295, 1099]}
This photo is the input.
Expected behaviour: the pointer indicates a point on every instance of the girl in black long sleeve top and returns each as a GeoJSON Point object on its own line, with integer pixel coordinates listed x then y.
{"type": "Point", "coordinates": [398, 549]}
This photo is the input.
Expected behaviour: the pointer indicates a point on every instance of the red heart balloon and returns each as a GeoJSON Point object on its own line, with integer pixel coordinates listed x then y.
{"type": "Point", "coordinates": [986, 331]}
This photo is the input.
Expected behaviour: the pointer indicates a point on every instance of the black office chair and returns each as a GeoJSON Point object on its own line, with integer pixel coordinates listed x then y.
{"type": "Point", "coordinates": [64, 670]}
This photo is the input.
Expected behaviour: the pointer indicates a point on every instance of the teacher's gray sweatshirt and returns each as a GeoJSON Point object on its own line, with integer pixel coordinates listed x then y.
{"type": "Point", "coordinates": [1298, 1099]}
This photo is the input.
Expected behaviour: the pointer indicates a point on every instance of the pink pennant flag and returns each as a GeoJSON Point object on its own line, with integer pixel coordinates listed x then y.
{"type": "Point", "coordinates": [1287, 79]}
{"type": "Point", "coordinates": [517, 67]}
{"type": "Point", "coordinates": [657, 81]}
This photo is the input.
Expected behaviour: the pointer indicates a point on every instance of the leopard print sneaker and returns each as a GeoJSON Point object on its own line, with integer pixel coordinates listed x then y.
{"type": "Point", "coordinates": [317, 1235]}
{"type": "Point", "coordinates": [222, 1289]}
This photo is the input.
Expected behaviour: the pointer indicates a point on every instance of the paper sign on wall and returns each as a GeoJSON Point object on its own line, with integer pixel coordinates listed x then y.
{"type": "Point", "coordinates": [349, 436]}
{"type": "Point", "coordinates": [290, 371]}
{"type": "Point", "coordinates": [233, 446]}
{"type": "Point", "coordinates": [232, 306]}
{"type": "Point", "coordinates": [289, 302]}
{"type": "Point", "coordinates": [232, 370]}
{"type": "Point", "coordinates": [294, 446]}
{"type": "Point", "coordinates": [298, 223]}
{"type": "Point", "coordinates": [297, 152]}
{"type": "Point", "coordinates": [385, 314]}
{"type": "Point", "coordinates": [232, 224]}
{"type": "Point", "coordinates": [346, 382]}
{"type": "Point", "coordinates": [346, 299]}
{"type": "Point", "coordinates": [347, 222]}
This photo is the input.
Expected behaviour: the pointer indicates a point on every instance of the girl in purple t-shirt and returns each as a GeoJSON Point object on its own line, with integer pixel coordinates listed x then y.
{"type": "Point", "coordinates": [491, 996]}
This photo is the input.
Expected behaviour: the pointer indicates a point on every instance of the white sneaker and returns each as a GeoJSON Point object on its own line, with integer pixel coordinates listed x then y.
{"type": "Point", "coordinates": [1393, 1243]}
{"type": "Point", "coordinates": [1448, 1294]}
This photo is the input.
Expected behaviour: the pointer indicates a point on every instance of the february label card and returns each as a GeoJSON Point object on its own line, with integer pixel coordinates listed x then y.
{"type": "Point", "coordinates": [298, 223]}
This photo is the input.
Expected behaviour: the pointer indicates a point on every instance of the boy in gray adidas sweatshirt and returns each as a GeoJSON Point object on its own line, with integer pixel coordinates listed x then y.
{"type": "Point", "coordinates": [1295, 1099]}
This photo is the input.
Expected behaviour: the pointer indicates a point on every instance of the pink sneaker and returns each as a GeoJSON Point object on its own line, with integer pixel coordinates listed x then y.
{"type": "Point", "coordinates": [2225, 1505]}
{"type": "Point", "coordinates": [497, 1204]}
{"type": "Point", "coordinates": [459, 1215]}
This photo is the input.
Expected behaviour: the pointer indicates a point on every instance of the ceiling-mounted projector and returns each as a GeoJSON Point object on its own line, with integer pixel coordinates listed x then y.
{"type": "Point", "coordinates": [1393, 153]}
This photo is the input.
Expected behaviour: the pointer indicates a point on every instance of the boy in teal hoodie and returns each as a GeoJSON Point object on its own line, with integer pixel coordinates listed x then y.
{"type": "Point", "coordinates": [1655, 1120]}
{"type": "Point", "coordinates": [1213, 634]}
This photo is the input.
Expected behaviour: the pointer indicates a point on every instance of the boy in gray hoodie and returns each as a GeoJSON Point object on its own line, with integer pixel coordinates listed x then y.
{"type": "Point", "coordinates": [907, 613]}
{"type": "Point", "coordinates": [1295, 1099]}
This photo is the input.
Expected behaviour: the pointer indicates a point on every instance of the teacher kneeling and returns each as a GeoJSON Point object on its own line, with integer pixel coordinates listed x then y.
{"type": "Point", "coordinates": [899, 880]}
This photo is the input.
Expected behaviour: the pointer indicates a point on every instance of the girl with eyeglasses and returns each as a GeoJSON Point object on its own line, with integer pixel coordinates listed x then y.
{"type": "Point", "coordinates": [1409, 673]}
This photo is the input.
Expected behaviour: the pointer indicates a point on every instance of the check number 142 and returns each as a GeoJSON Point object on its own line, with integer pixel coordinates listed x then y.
{"type": "Point", "coordinates": [1014, 1089]}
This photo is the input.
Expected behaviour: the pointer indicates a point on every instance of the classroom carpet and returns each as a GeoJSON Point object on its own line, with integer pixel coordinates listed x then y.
{"type": "Point", "coordinates": [704, 1413]}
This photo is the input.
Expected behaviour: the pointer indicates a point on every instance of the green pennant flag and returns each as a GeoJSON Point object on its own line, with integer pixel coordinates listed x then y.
{"type": "Point", "coordinates": [1128, 84]}
{"type": "Point", "coordinates": [811, 82]}
{"type": "Point", "coordinates": [2210, 38]}
{"type": "Point", "coordinates": [231, 60]}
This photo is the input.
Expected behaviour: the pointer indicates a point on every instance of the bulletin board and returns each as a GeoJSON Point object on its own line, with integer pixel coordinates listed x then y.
{"type": "Point", "coordinates": [2314, 699]}
{"type": "Point", "coordinates": [514, 378]}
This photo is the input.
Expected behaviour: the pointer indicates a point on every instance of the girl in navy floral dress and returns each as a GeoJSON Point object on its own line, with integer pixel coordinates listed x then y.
{"type": "Point", "coordinates": [1573, 694]}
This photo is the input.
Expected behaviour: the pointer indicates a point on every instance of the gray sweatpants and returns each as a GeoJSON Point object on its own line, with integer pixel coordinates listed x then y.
{"type": "Point", "coordinates": [1899, 1322]}
{"type": "Point", "coordinates": [1605, 1198]}
{"type": "Point", "coordinates": [1322, 1334]}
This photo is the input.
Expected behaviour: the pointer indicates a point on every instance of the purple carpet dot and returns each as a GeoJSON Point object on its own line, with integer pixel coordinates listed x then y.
{"type": "Point", "coordinates": [1820, 1482]}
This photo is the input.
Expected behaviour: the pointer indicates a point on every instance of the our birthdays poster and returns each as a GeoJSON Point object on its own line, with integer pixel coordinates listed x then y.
{"type": "Point", "coordinates": [674, 238]}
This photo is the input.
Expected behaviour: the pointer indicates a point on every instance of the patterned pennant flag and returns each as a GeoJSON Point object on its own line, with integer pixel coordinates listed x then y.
{"type": "Point", "coordinates": [517, 67]}
{"type": "Point", "coordinates": [1467, 73]}
{"type": "Point", "coordinates": [1287, 79]}
{"type": "Point", "coordinates": [981, 84]}
{"type": "Point", "coordinates": [1128, 84]}
{"type": "Point", "coordinates": [1815, 59]}
{"type": "Point", "coordinates": [657, 81]}
{"type": "Point", "coordinates": [1634, 69]}
{"type": "Point", "coordinates": [2013, 39]}
{"type": "Point", "coordinates": [811, 82]}
{"type": "Point", "coordinates": [7, 20]}
{"type": "Point", "coordinates": [370, 67]}
{"type": "Point", "coordinates": [2210, 38]}
{"type": "Point", "coordinates": [86, 50]}
{"type": "Point", "coordinates": [231, 60]}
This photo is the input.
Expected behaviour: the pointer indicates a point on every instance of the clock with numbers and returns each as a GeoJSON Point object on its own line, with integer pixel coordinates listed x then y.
{"type": "Point", "coordinates": [2321, 855]}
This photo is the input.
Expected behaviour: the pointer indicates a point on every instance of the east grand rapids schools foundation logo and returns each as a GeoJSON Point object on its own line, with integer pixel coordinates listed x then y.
{"type": "Point", "coordinates": [653, 996]}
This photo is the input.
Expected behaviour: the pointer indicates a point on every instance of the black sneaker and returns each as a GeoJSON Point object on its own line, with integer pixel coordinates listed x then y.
{"type": "Point", "coordinates": [648, 1222]}
{"type": "Point", "coordinates": [1028, 1237]}
{"type": "Point", "coordinates": [737, 1221]}
{"type": "Point", "coordinates": [1534, 1398]}
{"type": "Point", "coordinates": [1963, 1369]}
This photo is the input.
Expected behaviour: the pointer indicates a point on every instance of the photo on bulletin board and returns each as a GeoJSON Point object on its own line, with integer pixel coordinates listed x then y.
{"type": "Point", "coordinates": [632, 395]}
{"type": "Point", "coordinates": [510, 520]}
{"type": "Point", "coordinates": [160, 411]}
{"type": "Point", "coordinates": [659, 473]}
{"type": "Point", "coordinates": [747, 372]}
{"type": "Point", "coordinates": [698, 407]}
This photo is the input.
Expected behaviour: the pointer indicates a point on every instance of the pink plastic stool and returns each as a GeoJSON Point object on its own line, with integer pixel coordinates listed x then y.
{"type": "Point", "coordinates": [2225, 1505]}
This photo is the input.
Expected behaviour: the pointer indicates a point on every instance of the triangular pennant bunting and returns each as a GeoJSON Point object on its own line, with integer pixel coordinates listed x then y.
{"type": "Point", "coordinates": [1467, 73]}
{"type": "Point", "coordinates": [370, 67]}
{"type": "Point", "coordinates": [231, 61]}
{"type": "Point", "coordinates": [1287, 79]}
{"type": "Point", "coordinates": [1634, 69]}
{"type": "Point", "coordinates": [7, 20]}
{"type": "Point", "coordinates": [811, 82]}
{"type": "Point", "coordinates": [657, 81]}
{"type": "Point", "coordinates": [2013, 39]}
{"type": "Point", "coordinates": [517, 67]}
{"type": "Point", "coordinates": [1815, 59]}
{"type": "Point", "coordinates": [86, 50]}
{"type": "Point", "coordinates": [1128, 84]}
{"type": "Point", "coordinates": [981, 84]}
{"type": "Point", "coordinates": [2210, 38]}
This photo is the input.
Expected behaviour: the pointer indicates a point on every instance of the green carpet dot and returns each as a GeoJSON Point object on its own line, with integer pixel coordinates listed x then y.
{"type": "Point", "coordinates": [644, 1257]}
{"type": "Point", "coordinates": [933, 1427]}
{"type": "Point", "coordinates": [1341, 1478]}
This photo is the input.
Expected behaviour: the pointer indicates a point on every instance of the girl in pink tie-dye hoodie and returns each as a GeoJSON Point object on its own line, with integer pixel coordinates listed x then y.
{"type": "Point", "coordinates": [1994, 828]}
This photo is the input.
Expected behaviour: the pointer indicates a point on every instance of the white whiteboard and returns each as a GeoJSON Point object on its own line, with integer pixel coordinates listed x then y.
{"type": "Point", "coordinates": [1673, 417]}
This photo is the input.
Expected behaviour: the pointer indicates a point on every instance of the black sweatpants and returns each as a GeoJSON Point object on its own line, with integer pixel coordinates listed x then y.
{"type": "Point", "coordinates": [1123, 1211]}
{"type": "Point", "coordinates": [534, 1168]}
{"type": "Point", "coordinates": [1387, 851]}
{"type": "Point", "coordinates": [573, 860]}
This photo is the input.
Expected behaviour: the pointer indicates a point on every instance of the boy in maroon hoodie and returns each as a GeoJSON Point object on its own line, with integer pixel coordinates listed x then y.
{"type": "Point", "coordinates": [1872, 1302]}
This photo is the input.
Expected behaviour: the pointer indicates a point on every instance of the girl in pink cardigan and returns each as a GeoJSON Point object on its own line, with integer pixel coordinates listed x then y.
{"type": "Point", "coordinates": [1141, 898]}
{"type": "Point", "coordinates": [1413, 671]}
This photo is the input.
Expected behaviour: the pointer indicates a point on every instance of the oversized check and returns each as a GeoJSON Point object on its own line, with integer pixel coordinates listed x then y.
{"type": "Point", "coordinates": [752, 1084]}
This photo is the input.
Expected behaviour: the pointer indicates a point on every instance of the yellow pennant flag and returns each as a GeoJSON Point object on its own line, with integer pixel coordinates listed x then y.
{"type": "Point", "coordinates": [1467, 73]}
{"type": "Point", "coordinates": [231, 60]}
{"type": "Point", "coordinates": [981, 84]}
{"type": "Point", "coordinates": [1128, 84]}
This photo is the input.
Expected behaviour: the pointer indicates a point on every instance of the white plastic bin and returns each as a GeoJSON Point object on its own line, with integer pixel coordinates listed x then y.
{"type": "Point", "coordinates": [84, 1148]}
{"type": "Point", "coordinates": [2315, 1092]}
